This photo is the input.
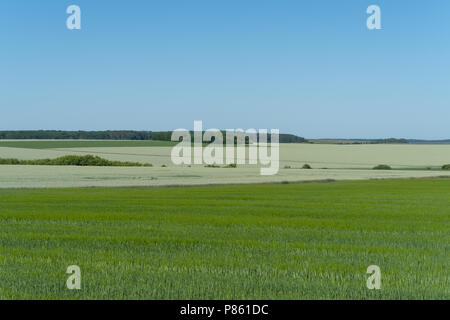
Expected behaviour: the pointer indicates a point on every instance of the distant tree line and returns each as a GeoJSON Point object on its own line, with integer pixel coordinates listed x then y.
{"type": "Point", "coordinates": [283, 137]}
{"type": "Point", "coordinates": [112, 135]}
{"type": "Point", "coordinates": [370, 141]}
{"type": "Point", "coordinates": [87, 135]}
{"type": "Point", "coordinates": [290, 138]}
{"type": "Point", "coordinates": [390, 140]}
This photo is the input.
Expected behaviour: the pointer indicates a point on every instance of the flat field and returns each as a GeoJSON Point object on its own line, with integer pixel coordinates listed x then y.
{"type": "Point", "coordinates": [338, 162]}
{"type": "Point", "coordinates": [17, 177]}
{"type": "Point", "coordinates": [305, 241]}
{"type": "Point", "coordinates": [291, 154]}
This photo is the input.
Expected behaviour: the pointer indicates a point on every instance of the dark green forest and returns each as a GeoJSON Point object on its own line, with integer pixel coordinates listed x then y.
{"type": "Point", "coordinates": [111, 135]}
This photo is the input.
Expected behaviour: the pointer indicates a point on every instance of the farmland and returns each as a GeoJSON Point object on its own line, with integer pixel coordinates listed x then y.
{"type": "Point", "coordinates": [307, 241]}
{"type": "Point", "coordinates": [318, 155]}
{"type": "Point", "coordinates": [229, 241]}
{"type": "Point", "coordinates": [337, 162]}
{"type": "Point", "coordinates": [67, 177]}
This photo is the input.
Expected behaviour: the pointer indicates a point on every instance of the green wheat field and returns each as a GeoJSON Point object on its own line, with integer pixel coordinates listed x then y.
{"type": "Point", "coordinates": [274, 241]}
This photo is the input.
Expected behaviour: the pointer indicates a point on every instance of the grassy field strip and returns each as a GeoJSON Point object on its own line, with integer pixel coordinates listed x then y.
{"type": "Point", "coordinates": [305, 241]}
{"type": "Point", "coordinates": [17, 176]}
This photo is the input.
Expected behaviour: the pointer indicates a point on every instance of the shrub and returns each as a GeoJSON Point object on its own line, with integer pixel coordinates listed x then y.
{"type": "Point", "coordinates": [446, 167]}
{"type": "Point", "coordinates": [87, 160]}
{"type": "Point", "coordinates": [306, 166]}
{"type": "Point", "coordinates": [212, 166]}
{"type": "Point", "coordinates": [382, 167]}
{"type": "Point", "coordinates": [231, 165]}
{"type": "Point", "coordinates": [9, 161]}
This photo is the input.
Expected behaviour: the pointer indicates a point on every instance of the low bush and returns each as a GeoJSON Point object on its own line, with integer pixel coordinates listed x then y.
{"type": "Point", "coordinates": [382, 167]}
{"type": "Point", "coordinates": [306, 166]}
{"type": "Point", "coordinates": [446, 167]}
{"type": "Point", "coordinates": [212, 166]}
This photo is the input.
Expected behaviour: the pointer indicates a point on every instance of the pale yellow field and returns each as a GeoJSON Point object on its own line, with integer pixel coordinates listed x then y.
{"type": "Point", "coordinates": [67, 176]}
{"type": "Point", "coordinates": [295, 155]}
{"type": "Point", "coordinates": [343, 162]}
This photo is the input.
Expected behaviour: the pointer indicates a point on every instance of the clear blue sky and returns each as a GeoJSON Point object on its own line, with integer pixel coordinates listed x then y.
{"type": "Point", "coordinates": [306, 67]}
